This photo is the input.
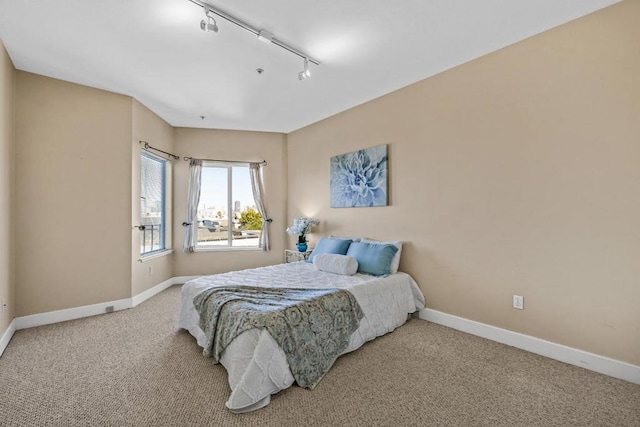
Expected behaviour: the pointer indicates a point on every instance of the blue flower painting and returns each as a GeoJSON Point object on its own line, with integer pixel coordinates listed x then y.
{"type": "Point", "coordinates": [359, 179]}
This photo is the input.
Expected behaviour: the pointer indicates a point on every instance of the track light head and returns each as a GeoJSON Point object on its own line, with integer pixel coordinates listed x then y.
{"type": "Point", "coordinates": [305, 74]}
{"type": "Point", "coordinates": [210, 25]}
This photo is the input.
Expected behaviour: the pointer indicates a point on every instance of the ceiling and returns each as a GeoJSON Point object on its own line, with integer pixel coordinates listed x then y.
{"type": "Point", "coordinates": [155, 51]}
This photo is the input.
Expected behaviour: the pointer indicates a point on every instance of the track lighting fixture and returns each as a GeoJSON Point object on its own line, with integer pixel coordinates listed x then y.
{"type": "Point", "coordinates": [305, 74]}
{"type": "Point", "coordinates": [210, 25]}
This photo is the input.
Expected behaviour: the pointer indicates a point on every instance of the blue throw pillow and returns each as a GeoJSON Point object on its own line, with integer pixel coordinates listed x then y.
{"type": "Point", "coordinates": [330, 246]}
{"type": "Point", "coordinates": [373, 258]}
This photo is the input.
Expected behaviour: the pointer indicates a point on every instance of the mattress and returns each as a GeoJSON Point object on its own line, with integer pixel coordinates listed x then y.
{"type": "Point", "coordinates": [256, 365]}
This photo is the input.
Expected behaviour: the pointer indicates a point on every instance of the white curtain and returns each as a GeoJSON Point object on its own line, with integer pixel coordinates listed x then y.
{"type": "Point", "coordinates": [191, 223]}
{"type": "Point", "coordinates": [255, 169]}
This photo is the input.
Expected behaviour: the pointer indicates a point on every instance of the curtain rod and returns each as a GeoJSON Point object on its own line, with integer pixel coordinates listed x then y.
{"type": "Point", "coordinates": [186, 159]}
{"type": "Point", "coordinates": [148, 147]}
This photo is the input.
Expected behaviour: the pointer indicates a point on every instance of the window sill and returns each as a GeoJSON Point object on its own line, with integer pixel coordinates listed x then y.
{"type": "Point", "coordinates": [226, 249]}
{"type": "Point", "coordinates": [149, 257]}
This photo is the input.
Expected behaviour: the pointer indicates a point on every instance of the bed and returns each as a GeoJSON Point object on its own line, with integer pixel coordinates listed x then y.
{"type": "Point", "coordinates": [256, 365]}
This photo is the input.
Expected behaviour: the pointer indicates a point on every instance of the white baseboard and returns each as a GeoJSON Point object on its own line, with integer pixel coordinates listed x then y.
{"type": "Point", "coordinates": [143, 296]}
{"type": "Point", "coordinates": [6, 337]}
{"type": "Point", "coordinates": [49, 317]}
{"type": "Point", "coordinates": [601, 364]}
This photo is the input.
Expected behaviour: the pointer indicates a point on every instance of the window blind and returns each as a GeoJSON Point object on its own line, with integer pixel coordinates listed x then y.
{"type": "Point", "coordinates": [152, 202]}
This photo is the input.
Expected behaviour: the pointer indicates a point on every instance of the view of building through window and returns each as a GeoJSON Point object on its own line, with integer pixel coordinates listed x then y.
{"type": "Point", "coordinates": [227, 214]}
{"type": "Point", "coordinates": [152, 203]}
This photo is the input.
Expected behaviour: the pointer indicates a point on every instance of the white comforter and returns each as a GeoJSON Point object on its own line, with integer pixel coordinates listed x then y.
{"type": "Point", "coordinates": [257, 366]}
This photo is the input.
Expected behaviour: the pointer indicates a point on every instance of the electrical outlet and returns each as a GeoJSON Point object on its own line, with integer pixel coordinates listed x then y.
{"type": "Point", "coordinates": [518, 302]}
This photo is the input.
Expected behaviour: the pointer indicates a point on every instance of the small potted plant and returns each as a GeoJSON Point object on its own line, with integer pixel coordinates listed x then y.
{"type": "Point", "coordinates": [301, 227]}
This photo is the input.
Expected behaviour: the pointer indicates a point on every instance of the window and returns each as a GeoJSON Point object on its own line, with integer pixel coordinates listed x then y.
{"type": "Point", "coordinates": [153, 172]}
{"type": "Point", "coordinates": [227, 214]}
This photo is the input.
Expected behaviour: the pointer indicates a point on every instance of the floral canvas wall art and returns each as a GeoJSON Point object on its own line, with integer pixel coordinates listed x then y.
{"type": "Point", "coordinates": [359, 179]}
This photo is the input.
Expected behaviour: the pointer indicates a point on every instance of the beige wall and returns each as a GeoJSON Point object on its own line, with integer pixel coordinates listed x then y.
{"type": "Point", "coordinates": [7, 84]}
{"type": "Point", "coordinates": [78, 176]}
{"type": "Point", "coordinates": [73, 195]}
{"type": "Point", "coordinates": [230, 145]}
{"type": "Point", "coordinates": [147, 126]}
{"type": "Point", "coordinates": [517, 173]}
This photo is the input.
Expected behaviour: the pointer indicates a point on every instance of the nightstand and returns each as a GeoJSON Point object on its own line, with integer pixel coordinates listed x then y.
{"type": "Point", "coordinates": [291, 255]}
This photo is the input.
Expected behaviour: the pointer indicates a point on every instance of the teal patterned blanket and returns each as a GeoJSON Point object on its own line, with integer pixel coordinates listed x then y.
{"type": "Point", "coordinates": [312, 326]}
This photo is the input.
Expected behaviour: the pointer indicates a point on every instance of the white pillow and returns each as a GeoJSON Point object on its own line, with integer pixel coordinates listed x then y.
{"type": "Point", "coordinates": [395, 262]}
{"type": "Point", "coordinates": [336, 263]}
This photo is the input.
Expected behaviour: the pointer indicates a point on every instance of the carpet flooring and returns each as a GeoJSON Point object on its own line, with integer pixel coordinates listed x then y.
{"type": "Point", "coordinates": [135, 368]}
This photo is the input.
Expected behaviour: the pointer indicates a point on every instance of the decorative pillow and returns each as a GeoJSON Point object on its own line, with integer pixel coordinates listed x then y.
{"type": "Point", "coordinates": [395, 263]}
{"type": "Point", "coordinates": [373, 258]}
{"type": "Point", "coordinates": [330, 246]}
{"type": "Point", "coordinates": [335, 263]}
